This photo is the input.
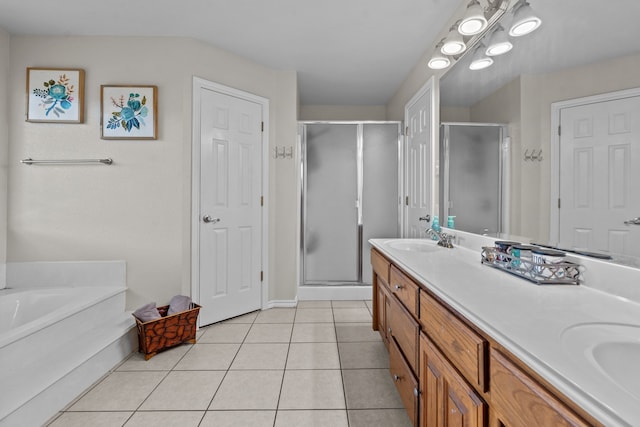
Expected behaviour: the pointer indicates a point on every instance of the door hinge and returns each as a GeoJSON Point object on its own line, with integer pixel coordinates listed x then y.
{"type": "Point", "coordinates": [262, 127]}
{"type": "Point", "coordinates": [559, 131]}
{"type": "Point", "coordinates": [261, 200]}
{"type": "Point", "coordinates": [558, 203]}
{"type": "Point", "coordinates": [262, 276]}
{"type": "Point", "coordinates": [406, 200]}
{"type": "Point", "coordinates": [406, 131]}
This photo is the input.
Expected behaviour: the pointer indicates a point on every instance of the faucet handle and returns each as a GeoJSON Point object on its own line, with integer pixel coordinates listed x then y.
{"type": "Point", "coordinates": [426, 218]}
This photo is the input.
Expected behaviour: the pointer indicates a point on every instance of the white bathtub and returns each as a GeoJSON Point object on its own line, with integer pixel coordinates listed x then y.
{"type": "Point", "coordinates": [54, 343]}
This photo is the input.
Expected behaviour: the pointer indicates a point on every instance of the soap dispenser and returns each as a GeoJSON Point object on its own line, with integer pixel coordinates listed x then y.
{"type": "Point", "coordinates": [435, 225]}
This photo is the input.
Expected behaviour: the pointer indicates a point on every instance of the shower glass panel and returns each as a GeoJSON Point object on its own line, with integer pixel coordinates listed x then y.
{"type": "Point", "coordinates": [350, 195]}
{"type": "Point", "coordinates": [471, 188]}
{"type": "Point", "coordinates": [380, 207]}
{"type": "Point", "coordinates": [331, 223]}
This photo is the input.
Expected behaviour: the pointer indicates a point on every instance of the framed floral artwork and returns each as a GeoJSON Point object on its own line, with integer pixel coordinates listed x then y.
{"type": "Point", "coordinates": [55, 95]}
{"type": "Point", "coordinates": [128, 112]}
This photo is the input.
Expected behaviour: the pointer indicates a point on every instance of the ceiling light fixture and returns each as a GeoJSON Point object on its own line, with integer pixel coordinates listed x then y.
{"type": "Point", "coordinates": [453, 44]}
{"type": "Point", "coordinates": [439, 61]}
{"type": "Point", "coordinates": [474, 20]}
{"type": "Point", "coordinates": [498, 42]}
{"type": "Point", "coordinates": [524, 19]}
{"type": "Point", "coordinates": [479, 60]}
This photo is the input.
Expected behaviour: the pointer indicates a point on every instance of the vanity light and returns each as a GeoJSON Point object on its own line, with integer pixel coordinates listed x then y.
{"type": "Point", "coordinates": [474, 20]}
{"type": "Point", "coordinates": [524, 19]}
{"type": "Point", "coordinates": [439, 62]}
{"type": "Point", "coordinates": [453, 44]}
{"type": "Point", "coordinates": [480, 60]}
{"type": "Point", "coordinates": [498, 43]}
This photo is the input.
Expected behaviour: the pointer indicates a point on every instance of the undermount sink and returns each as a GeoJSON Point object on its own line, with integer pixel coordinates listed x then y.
{"type": "Point", "coordinates": [415, 245]}
{"type": "Point", "coordinates": [613, 349]}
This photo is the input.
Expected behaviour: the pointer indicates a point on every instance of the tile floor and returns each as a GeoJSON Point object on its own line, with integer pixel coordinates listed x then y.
{"type": "Point", "coordinates": [319, 364]}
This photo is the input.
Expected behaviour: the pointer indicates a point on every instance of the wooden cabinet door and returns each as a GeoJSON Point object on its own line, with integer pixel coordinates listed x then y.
{"type": "Point", "coordinates": [518, 401]}
{"type": "Point", "coordinates": [446, 399]}
{"type": "Point", "coordinates": [383, 297]}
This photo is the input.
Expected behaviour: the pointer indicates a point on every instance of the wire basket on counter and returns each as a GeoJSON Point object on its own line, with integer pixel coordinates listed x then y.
{"type": "Point", "coordinates": [540, 273]}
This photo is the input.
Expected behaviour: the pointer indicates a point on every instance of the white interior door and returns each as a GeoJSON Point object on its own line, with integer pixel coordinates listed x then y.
{"type": "Point", "coordinates": [600, 176]}
{"type": "Point", "coordinates": [418, 181]}
{"type": "Point", "coordinates": [230, 252]}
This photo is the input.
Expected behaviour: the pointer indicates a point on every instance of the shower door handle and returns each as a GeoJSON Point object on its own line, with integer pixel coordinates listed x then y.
{"type": "Point", "coordinates": [209, 220]}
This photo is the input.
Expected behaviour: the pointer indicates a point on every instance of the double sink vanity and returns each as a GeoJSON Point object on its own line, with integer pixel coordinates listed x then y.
{"type": "Point", "coordinates": [472, 346]}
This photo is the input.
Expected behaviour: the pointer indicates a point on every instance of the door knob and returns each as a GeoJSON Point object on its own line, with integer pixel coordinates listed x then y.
{"type": "Point", "coordinates": [426, 218]}
{"type": "Point", "coordinates": [209, 220]}
{"type": "Point", "coordinates": [634, 221]}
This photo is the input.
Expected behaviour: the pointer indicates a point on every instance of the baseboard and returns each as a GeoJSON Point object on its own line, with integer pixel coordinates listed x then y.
{"type": "Point", "coordinates": [323, 293]}
{"type": "Point", "coordinates": [282, 303]}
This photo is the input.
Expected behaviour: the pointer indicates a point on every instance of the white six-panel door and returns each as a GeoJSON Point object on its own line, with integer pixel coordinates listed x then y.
{"type": "Point", "coordinates": [418, 181]}
{"type": "Point", "coordinates": [600, 176]}
{"type": "Point", "coordinates": [230, 206]}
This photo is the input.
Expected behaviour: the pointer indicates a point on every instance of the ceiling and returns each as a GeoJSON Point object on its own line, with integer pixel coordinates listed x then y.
{"type": "Point", "coordinates": [354, 52]}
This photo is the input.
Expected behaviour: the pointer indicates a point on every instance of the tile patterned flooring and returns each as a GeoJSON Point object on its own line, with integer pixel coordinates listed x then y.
{"type": "Point", "coordinates": [319, 364]}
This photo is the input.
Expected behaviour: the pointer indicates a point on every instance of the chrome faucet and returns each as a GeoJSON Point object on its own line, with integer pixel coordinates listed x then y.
{"type": "Point", "coordinates": [444, 239]}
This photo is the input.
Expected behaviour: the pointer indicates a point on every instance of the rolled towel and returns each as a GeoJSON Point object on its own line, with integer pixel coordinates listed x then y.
{"type": "Point", "coordinates": [147, 312]}
{"type": "Point", "coordinates": [179, 303]}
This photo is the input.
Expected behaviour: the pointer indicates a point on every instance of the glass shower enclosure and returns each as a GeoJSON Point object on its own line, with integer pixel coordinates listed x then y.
{"type": "Point", "coordinates": [473, 172]}
{"type": "Point", "coordinates": [350, 194]}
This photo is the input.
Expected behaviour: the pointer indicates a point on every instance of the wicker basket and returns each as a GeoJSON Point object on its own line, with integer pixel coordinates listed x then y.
{"type": "Point", "coordinates": [167, 331]}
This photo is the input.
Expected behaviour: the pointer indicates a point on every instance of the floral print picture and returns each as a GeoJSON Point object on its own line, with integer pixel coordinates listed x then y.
{"type": "Point", "coordinates": [55, 95]}
{"type": "Point", "coordinates": [129, 112]}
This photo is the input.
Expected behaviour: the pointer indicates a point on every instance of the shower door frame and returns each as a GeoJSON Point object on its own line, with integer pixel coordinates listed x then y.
{"type": "Point", "coordinates": [502, 170]}
{"type": "Point", "coordinates": [302, 145]}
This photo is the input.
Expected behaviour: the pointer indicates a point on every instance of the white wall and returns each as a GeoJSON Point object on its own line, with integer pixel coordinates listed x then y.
{"type": "Point", "coordinates": [4, 149]}
{"type": "Point", "coordinates": [343, 112]}
{"type": "Point", "coordinates": [139, 208]}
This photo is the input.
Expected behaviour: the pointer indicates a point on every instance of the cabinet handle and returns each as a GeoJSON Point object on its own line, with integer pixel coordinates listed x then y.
{"type": "Point", "coordinates": [389, 330]}
{"type": "Point", "coordinates": [396, 377]}
{"type": "Point", "coordinates": [416, 393]}
{"type": "Point", "coordinates": [398, 287]}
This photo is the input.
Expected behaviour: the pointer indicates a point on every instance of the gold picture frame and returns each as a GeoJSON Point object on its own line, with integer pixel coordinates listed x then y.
{"type": "Point", "coordinates": [128, 112]}
{"type": "Point", "coordinates": [55, 95]}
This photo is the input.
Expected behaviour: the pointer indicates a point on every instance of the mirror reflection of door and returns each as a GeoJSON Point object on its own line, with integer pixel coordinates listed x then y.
{"type": "Point", "coordinates": [600, 176]}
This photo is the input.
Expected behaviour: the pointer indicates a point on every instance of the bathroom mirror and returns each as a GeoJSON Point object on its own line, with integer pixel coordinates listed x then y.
{"type": "Point", "coordinates": [583, 48]}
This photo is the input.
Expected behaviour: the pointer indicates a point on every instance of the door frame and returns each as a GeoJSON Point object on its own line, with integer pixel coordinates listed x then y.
{"type": "Point", "coordinates": [199, 84]}
{"type": "Point", "coordinates": [432, 85]}
{"type": "Point", "coordinates": [556, 107]}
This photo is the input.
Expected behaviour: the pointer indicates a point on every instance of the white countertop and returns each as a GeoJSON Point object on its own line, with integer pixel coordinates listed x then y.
{"type": "Point", "coordinates": [534, 322]}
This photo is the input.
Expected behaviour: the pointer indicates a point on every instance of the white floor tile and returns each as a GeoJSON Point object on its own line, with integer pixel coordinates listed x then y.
{"type": "Point", "coordinates": [238, 419]}
{"type": "Point", "coordinates": [316, 389]}
{"type": "Point", "coordinates": [313, 356]}
{"type": "Point", "coordinates": [248, 390]}
{"type": "Point", "coordinates": [184, 391]}
{"type": "Point", "coordinates": [261, 356]}
{"type": "Point", "coordinates": [165, 418]}
{"type": "Point", "coordinates": [120, 391]}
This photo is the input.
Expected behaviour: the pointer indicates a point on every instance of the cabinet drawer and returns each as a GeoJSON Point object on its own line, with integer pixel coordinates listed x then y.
{"type": "Point", "coordinates": [406, 290]}
{"type": "Point", "coordinates": [461, 344]}
{"type": "Point", "coordinates": [520, 401]}
{"type": "Point", "coordinates": [406, 331]}
{"type": "Point", "coordinates": [380, 265]}
{"type": "Point", "coordinates": [405, 381]}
